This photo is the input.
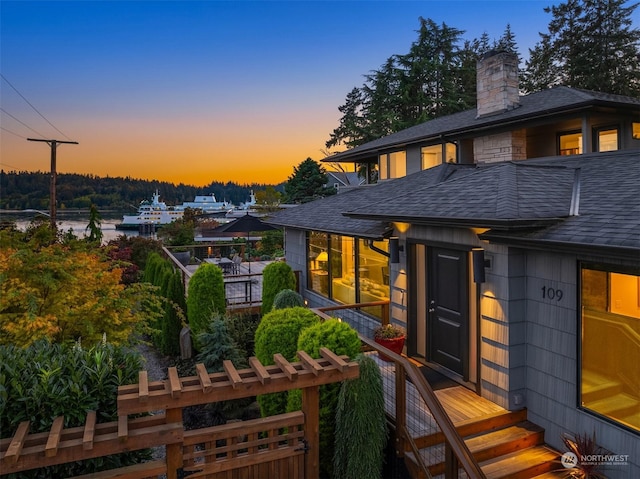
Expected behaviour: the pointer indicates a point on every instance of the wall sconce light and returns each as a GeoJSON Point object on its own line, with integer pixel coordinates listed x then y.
{"type": "Point", "coordinates": [479, 264]}
{"type": "Point", "coordinates": [394, 250]}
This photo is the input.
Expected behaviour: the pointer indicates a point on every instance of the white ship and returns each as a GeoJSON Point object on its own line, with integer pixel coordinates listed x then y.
{"type": "Point", "coordinates": [154, 213]}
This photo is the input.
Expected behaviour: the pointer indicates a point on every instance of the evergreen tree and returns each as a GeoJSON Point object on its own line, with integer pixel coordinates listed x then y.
{"type": "Point", "coordinates": [174, 314]}
{"type": "Point", "coordinates": [590, 44]}
{"type": "Point", "coordinates": [206, 297]}
{"type": "Point", "coordinates": [95, 221]}
{"type": "Point", "coordinates": [352, 129]}
{"type": "Point", "coordinates": [307, 183]}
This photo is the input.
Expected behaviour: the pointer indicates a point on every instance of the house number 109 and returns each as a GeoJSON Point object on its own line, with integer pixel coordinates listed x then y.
{"type": "Point", "coordinates": [551, 293]}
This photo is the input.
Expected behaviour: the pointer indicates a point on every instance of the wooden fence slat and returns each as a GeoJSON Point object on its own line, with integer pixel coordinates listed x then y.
{"type": "Point", "coordinates": [143, 386]}
{"type": "Point", "coordinates": [286, 367]}
{"type": "Point", "coordinates": [17, 442]}
{"type": "Point", "coordinates": [340, 364]}
{"type": "Point", "coordinates": [123, 427]}
{"type": "Point", "coordinates": [261, 372]}
{"type": "Point", "coordinates": [53, 440]}
{"type": "Point", "coordinates": [174, 383]}
{"type": "Point", "coordinates": [89, 431]}
{"type": "Point", "coordinates": [232, 373]}
{"type": "Point", "coordinates": [309, 362]}
{"type": "Point", "coordinates": [203, 377]}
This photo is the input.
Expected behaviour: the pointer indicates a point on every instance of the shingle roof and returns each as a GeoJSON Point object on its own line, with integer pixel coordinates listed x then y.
{"type": "Point", "coordinates": [506, 194]}
{"type": "Point", "coordinates": [609, 205]}
{"type": "Point", "coordinates": [542, 195]}
{"type": "Point", "coordinates": [550, 102]}
{"type": "Point", "coordinates": [326, 214]}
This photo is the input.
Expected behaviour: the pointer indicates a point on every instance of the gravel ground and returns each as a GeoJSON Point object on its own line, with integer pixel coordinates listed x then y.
{"type": "Point", "coordinates": [155, 363]}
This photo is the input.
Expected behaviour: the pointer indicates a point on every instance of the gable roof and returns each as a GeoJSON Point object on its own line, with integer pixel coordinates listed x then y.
{"type": "Point", "coordinates": [543, 104]}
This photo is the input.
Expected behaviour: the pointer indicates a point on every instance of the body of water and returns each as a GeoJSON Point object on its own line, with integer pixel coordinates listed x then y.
{"type": "Point", "coordinates": [79, 226]}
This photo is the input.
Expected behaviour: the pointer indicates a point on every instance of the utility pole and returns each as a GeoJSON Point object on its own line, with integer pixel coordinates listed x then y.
{"type": "Point", "coordinates": [52, 189]}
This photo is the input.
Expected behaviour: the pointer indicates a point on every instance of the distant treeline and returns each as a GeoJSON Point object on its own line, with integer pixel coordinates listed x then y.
{"type": "Point", "coordinates": [21, 190]}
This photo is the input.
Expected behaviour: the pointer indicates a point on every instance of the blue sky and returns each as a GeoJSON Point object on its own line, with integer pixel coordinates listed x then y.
{"type": "Point", "coordinates": [197, 91]}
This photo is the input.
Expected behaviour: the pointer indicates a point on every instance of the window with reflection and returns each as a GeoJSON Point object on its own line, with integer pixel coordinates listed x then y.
{"type": "Point", "coordinates": [373, 272]}
{"type": "Point", "coordinates": [318, 263]}
{"type": "Point", "coordinates": [393, 165]}
{"type": "Point", "coordinates": [610, 353]}
{"type": "Point", "coordinates": [347, 270]}
{"type": "Point", "coordinates": [635, 131]}
{"type": "Point", "coordinates": [433, 155]}
{"type": "Point", "coordinates": [570, 143]}
{"type": "Point", "coordinates": [343, 275]}
{"type": "Point", "coordinates": [607, 139]}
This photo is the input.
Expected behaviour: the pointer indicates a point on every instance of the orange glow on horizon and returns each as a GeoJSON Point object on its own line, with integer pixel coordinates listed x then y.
{"type": "Point", "coordinates": [193, 156]}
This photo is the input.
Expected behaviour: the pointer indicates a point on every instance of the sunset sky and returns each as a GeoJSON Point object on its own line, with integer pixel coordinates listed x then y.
{"type": "Point", "coordinates": [202, 91]}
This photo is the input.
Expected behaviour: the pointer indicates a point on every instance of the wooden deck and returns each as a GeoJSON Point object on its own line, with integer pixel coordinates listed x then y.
{"type": "Point", "coordinates": [460, 403]}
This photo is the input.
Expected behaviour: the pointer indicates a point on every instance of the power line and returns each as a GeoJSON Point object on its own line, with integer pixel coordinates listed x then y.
{"type": "Point", "coordinates": [34, 108]}
{"type": "Point", "coordinates": [21, 122]}
{"type": "Point", "coordinates": [13, 132]}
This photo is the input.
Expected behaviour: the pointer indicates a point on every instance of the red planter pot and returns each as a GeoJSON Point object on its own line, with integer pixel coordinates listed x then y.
{"type": "Point", "coordinates": [394, 344]}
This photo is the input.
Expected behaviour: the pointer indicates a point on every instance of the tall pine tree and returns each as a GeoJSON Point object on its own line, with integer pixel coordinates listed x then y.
{"type": "Point", "coordinates": [590, 44]}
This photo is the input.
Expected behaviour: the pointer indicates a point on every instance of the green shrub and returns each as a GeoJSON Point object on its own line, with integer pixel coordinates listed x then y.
{"type": "Point", "coordinates": [206, 297]}
{"type": "Point", "coordinates": [174, 315]}
{"type": "Point", "coordinates": [45, 380]}
{"type": "Point", "coordinates": [275, 277]}
{"type": "Point", "coordinates": [153, 262]}
{"type": "Point", "coordinates": [242, 328]}
{"type": "Point", "coordinates": [361, 425]}
{"type": "Point", "coordinates": [278, 332]}
{"type": "Point", "coordinates": [287, 298]}
{"type": "Point", "coordinates": [217, 345]}
{"type": "Point", "coordinates": [342, 339]}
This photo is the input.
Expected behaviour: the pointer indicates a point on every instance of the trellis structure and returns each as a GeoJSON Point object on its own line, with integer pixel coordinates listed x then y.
{"type": "Point", "coordinates": [283, 446]}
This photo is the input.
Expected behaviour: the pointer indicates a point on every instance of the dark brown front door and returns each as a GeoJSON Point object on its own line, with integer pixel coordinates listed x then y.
{"type": "Point", "coordinates": [448, 310]}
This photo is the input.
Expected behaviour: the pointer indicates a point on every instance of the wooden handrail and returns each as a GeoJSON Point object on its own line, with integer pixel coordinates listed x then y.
{"type": "Point", "coordinates": [452, 437]}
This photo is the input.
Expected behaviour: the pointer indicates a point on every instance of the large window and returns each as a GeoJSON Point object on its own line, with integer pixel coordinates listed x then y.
{"type": "Point", "coordinates": [610, 353]}
{"type": "Point", "coordinates": [346, 270]}
{"type": "Point", "coordinates": [393, 165]}
{"type": "Point", "coordinates": [433, 155]}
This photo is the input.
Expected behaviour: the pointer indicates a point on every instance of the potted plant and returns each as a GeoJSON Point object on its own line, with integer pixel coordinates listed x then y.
{"type": "Point", "coordinates": [391, 337]}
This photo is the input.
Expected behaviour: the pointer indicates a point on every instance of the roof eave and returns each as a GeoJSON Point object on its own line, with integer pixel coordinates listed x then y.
{"type": "Point", "coordinates": [495, 223]}
{"type": "Point", "coordinates": [586, 249]}
{"type": "Point", "coordinates": [498, 122]}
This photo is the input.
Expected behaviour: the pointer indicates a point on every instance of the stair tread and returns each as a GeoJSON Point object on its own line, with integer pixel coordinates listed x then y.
{"type": "Point", "coordinates": [510, 464]}
{"type": "Point", "coordinates": [499, 436]}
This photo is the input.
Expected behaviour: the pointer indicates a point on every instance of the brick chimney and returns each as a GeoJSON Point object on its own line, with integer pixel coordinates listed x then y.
{"type": "Point", "coordinates": [497, 83]}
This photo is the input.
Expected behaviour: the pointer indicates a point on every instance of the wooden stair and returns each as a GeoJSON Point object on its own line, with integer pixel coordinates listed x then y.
{"type": "Point", "coordinates": [505, 444]}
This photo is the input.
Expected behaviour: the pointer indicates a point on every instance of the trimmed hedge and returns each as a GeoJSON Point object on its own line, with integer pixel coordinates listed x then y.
{"type": "Point", "coordinates": [276, 276]}
{"type": "Point", "coordinates": [278, 332]}
{"type": "Point", "coordinates": [206, 297]}
{"type": "Point", "coordinates": [287, 298]}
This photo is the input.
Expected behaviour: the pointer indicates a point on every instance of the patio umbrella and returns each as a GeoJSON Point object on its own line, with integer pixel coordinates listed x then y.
{"type": "Point", "coordinates": [245, 224]}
